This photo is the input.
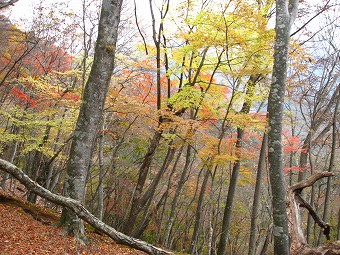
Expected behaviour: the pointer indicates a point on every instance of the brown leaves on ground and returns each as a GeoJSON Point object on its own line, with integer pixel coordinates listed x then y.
{"type": "Point", "coordinates": [26, 229]}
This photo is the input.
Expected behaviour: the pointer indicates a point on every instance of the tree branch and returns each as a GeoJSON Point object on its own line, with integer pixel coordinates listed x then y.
{"type": "Point", "coordinates": [324, 226]}
{"type": "Point", "coordinates": [294, 202]}
{"type": "Point", "coordinates": [80, 211]}
{"type": "Point", "coordinates": [4, 3]}
{"type": "Point", "coordinates": [311, 19]}
{"type": "Point", "coordinates": [139, 30]}
{"type": "Point", "coordinates": [310, 181]}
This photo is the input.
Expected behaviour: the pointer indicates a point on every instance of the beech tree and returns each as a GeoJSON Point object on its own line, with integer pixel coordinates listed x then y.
{"type": "Point", "coordinates": [286, 12]}
{"type": "Point", "coordinates": [91, 112]}
{"type": "Point", "coordinates": [172, 155]}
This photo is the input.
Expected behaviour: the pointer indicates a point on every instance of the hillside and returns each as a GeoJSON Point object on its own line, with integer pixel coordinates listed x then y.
{"type": "Point", "coordinates": [29, 229]}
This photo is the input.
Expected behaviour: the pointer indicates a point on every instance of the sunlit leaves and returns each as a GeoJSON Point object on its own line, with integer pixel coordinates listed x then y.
{"type": "Point", "coordinates": [187, 97]}
{"type": "Point", "coordinates": [35, 106]}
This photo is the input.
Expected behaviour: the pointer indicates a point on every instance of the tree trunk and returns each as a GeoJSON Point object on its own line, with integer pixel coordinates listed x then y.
{"type": "Point", "coordinates": [312, 198]}
{"type": "Point", "coordinates": [80, 211]}
{"type": "Point", "coordinates": [194, 239]}
{"type": "Point", "coordinates": [91, 112]}
{"type": "Point", "coordinates": [5, 175]}
{"type": "Point", "coordinates": [304, 157]}
{"type": "Point", "coordinates": [167, 196]}
{"type": "Point", "coordinates": [257, 196]}
{"type": "Point", "coordinates": [285, 16]}
{"type": "Point", "coordinates": [338, 230]}
{"type": "Point", "coordinates": [144, 169]}
{"type": "Point", "coordinates": [230, 197]}
{"type": "Point", "coordinates": [331, 163]}
{"type": "Point", "coordinates": [176, 196]}
{"type": "Point", "coordinates": [146, 200]}
{"type": "Point", "coordinates": [137, 195]}
{"type": "Point", "coordinates": [101, 176]}
{"type": "Point", "coordinates": [294, 202]}
{"type": "Point", "coordinates": [236, 167]}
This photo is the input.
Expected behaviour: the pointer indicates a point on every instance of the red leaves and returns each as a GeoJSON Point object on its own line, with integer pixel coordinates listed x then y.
{"type": "Point", "coordinates": [23, 97]}
{"type": "Point", "coordinates": [292, 144]}
{"type": "Point", "coordinates": [287, 169]}
{"type": "Point", "coordinates": [70, 96]}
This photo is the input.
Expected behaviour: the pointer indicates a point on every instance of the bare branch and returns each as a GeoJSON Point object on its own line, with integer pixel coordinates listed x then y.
{"type": "Point", "coordinates": [312, 18]}
{"type": "Point", "coordinates": [139, 30]}
{"type": "Point", "coordinates": [5, 3]}
{"type": "Point", "coordinates": [310, 181]}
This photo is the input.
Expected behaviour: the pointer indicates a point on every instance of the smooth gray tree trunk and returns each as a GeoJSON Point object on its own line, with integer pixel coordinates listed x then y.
{"type": "Point", "coordinates": [286, 12]}
{"type": "Point", "coordinates": [91, 112]}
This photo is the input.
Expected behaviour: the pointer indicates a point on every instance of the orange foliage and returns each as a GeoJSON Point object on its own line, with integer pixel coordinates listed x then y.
{"type": "Point", "coordinates": [22, 97]}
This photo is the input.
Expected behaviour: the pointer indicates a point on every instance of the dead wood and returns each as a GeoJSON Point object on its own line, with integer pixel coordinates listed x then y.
{"type": "Point", "coordinates": [80, 211]}
{"type": "Point", "coordinates": [299, 244]}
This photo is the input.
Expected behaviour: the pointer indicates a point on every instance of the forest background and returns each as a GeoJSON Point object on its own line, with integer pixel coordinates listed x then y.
{"type": "Point", "coordinates": [183, 88]}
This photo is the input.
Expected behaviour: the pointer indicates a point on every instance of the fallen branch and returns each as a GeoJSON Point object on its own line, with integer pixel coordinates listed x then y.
{"type": "Point", "coordinates": [80, 211]}
{"type": "Point", "coordinates": [5, 3]}
{"type": "Point", "coordinates": [294, 202]}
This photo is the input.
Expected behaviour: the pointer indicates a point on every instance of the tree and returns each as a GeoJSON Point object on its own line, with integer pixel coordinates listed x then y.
{"type": "Point", "coordinates": [257, 196]}
{"type": "Point", "coordinates": [294, 202]}
{"type": "Point", "coordinates": [137, 203]}
{"type": "Point", "coordinates": [90, 113]}
{"type": "Point", "coordinates": [286, 12]}
{"type": "Point", "coordinates": [253, 79]}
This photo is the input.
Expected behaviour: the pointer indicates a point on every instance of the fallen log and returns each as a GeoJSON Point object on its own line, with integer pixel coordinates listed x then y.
{"type": "Point", "coordinates": [80, 211]}
{"type": "Point", "coordinates": [299, 244]}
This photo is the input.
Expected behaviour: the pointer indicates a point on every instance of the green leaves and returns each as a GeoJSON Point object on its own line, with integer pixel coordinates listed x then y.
{"type": "Point", "coordinates": [187, 97]}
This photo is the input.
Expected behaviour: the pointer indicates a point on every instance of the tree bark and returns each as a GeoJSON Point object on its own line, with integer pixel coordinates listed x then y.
{"type": "Point", "coordinates": [180, 185]}
{"type": "Point", "coordinates": [312, 198]}
{"type": "Point", "coordinates": [146, 199]}
{"type": "Point", "coordinates": [5, 175]}
{"type": "Point", "coordinates": [144, 169]}
{"type": "Point", "coordinates": [198, 215]}
{"type": "Point", "coordinates": [101, 176]}
{"type": "Point", "coordinates": [286, 12]}
{"type": "Point", "coordinates": [257, 196]}
{"type": "Point", "coordinates": [294, 202]}
{"type": "Point", "coordinates": [91, 112]}
{"type": "Point", "coordinates": [137, 195]}
{"type": "Point", "coordinates": [80, 211]}
{"type": "Point", "coordinates": [338, 230]}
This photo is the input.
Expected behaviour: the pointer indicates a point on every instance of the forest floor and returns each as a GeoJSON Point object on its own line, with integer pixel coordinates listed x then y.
{"type": "Point", "coordinates": [29, 229]}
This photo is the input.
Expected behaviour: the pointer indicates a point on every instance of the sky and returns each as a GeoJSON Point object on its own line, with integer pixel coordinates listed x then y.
{"type": "Point", "coordinates": [23, 9]}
